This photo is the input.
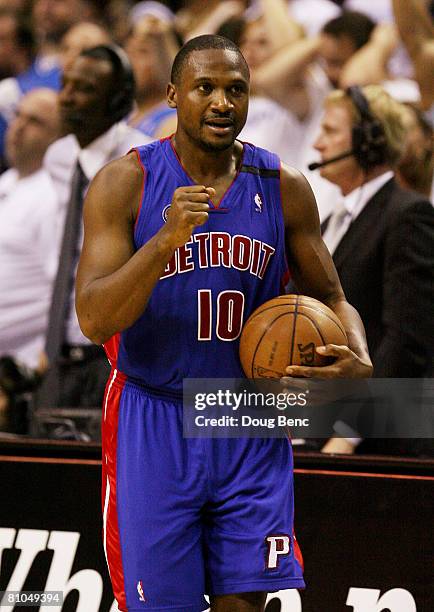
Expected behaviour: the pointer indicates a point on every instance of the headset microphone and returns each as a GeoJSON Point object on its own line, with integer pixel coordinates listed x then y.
{"type": "Point", "coordinates": [332, 160]}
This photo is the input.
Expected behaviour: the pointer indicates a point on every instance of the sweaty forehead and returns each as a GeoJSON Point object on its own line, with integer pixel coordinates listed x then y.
{"type": "Point", "coordinates": [213, 63]}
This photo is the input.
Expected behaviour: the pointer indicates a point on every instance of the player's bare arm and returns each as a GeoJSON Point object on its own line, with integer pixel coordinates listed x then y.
{"type": "Point", "coordinates": [314, 274]}
{"type": "Point", "coordinates": [114, 282]}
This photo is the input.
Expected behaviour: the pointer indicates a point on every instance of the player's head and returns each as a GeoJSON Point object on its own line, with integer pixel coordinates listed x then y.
{"type": "Point", "coordinates": [210, 88]}
{"type": "Point", "coordinates": [340, 39]}
{"type": "Point", "coordinates": [97, 91]}
{"type": "Point", "coordinates": [367, 121]}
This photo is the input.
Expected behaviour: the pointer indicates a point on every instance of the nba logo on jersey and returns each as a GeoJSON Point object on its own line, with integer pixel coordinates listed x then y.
{"type": "Point", "coordinates": [140, 591]}
{"type": "Point", "coordinates": [258, 203]}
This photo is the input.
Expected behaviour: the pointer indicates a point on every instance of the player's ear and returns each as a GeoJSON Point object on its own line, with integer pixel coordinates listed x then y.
{"type": "Point", "coordinates": [171, 95]}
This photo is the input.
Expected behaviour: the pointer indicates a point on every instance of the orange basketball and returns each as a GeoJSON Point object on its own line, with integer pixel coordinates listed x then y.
{"type": "Point", "coordinates": [285, 331]}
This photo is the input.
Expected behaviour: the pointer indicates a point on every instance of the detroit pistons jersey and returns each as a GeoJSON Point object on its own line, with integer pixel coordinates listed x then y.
{"type": "Point", "coordinates": [233, 263]}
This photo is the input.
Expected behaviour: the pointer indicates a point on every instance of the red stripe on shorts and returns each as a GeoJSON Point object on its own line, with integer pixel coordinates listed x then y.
{"type": "Point", "coordinates": [111, 348]}
{"type": "Point", "coordinates": [111, 536]}
{"type": "Point", "coordinates": [297, 551]}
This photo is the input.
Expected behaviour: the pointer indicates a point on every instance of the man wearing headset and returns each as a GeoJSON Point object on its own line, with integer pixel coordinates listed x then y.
{"type": "Point", "coordinates": [381, 237]}
{"type": "Point", "coordinates": [96, 97]}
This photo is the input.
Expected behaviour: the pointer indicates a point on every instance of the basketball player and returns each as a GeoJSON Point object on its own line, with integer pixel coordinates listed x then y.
{"type": "Point", "coordinates": [184, 238]}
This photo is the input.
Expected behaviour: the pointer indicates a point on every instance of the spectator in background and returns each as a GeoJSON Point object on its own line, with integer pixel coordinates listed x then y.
{"type": "Point", "coordinates": [416, 29]}
{"type": "Point", "coordinates": [52, 19]}
{"type": "Point", "coordinates": [17, 53]}
{"type": "Point", "coordinates": [29, 229]}
{"type": "Point", "coordinates": [16, 44]}
{"type": "Point", "coordinates": [339, 41]}
{"type": "Point", "coordinates": [80, 36]}
{"type": "Point", "coordinates": [379, 11]}
{"type": "Point", "coordinates": [381, 236]}
{"type": "Point", "coordinates": [269, 124]}
{"type": "Point", "coordinates": [292, 76]}
{"type": "Point", "coordinates": [311, 15]}
{"type": "Point", "coordinates": [96, 97]}
{"type": "Point", "coordinates": [416, 167]}
{"type": "Point", "coordinates": [151, 47]}
{"type": "Point", "coordinates": [18, 6]}
{"type": "Point", "coordinates": [197, 17]}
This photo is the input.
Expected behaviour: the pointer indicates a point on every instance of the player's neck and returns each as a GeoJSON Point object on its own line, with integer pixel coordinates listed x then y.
{"type": "Point", "coordinates": [207, 166]}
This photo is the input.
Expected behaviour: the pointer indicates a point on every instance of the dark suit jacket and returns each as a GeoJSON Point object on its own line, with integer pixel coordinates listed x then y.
{"type": "Point", "coordinates": [385, 263]}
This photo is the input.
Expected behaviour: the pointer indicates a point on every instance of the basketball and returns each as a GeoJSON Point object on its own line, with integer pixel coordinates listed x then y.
{"type": "Point", "coordinates": [285, 331]}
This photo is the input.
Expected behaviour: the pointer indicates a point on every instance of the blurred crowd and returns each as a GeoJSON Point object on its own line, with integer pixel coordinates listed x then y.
{"type": "Point", "coordinates": [62, 112]}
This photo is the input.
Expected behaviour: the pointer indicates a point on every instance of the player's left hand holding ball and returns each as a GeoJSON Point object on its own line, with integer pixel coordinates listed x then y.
{"type": "Point", "coordinates": [346, 364]}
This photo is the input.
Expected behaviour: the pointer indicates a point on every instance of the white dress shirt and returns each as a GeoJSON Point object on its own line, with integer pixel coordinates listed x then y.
{"type": "Point", "coordinates": [29, 240]}
{"type": "Point", "coordinates": [60, 161]}
{"type": "Point", "coordinates": [351, 206]}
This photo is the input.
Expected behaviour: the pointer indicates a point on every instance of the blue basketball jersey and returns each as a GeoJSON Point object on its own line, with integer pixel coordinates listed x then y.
{"type": "Point", "coordinates": [232, 264]}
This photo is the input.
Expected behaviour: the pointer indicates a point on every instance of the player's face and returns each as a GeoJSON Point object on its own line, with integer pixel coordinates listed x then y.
{"type": "Point", "coordinates": [335, 137]}
{"type": "Point", "coordinates": [211, 98]}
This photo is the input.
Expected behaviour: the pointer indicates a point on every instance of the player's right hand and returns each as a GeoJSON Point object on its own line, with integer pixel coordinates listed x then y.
{"type": "Point", "coordinates": [189, 208]}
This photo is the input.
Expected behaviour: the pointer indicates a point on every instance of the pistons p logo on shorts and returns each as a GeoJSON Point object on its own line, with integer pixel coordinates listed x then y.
{"type": "Point", "coordinates": [277, 546]}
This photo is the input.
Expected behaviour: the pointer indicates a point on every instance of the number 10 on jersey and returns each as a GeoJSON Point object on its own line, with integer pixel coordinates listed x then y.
{"type": "Point", "coordinates": [226, 310]}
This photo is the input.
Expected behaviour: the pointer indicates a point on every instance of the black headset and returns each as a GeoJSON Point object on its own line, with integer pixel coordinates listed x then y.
{"type": "Point", "coordinates": [121, 102]}
{"type": "Point", "coordinates": [369, 142]}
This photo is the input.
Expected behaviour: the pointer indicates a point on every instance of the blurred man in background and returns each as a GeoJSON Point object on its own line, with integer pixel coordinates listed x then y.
{"type": "Point", "coordinates": [416, 167]}
{"type": "Point", "coordinates": [29, 243]}
{"type": "Point", "coordinates": [96, 97]}
{"type": "Point", "coordinates": [29, 232]}
{"type": "Point", "coordinates": [151, 47]}
{"type": "Point", "coordinates": [381, 238]}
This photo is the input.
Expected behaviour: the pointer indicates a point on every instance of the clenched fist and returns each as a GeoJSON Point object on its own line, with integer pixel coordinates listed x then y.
{"type": "Point", "coordinates": [189, 208]}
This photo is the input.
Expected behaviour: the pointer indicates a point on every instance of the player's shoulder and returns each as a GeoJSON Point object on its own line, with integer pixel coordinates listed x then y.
{"type": "Point", "coordinates": [151, 155]}
{"type": "Point", "coordinates": [153, 147]}
{"type": "Point", "coordinates": [293, 181]}
{"type": "Point", "coordinates": [257, 157]}
{"type": "Point", "coordinates": [124, 173]}
{"type": "Point", "coordinates": [298, 201]}
{"type": "Point", "coordinates": [116, 188]}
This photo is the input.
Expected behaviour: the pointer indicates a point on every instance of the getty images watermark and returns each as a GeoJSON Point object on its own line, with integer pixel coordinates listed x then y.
{"type": "Point", "coordinates": [239, 401]}
{"type": "Point", "coordinates": [374, 408]}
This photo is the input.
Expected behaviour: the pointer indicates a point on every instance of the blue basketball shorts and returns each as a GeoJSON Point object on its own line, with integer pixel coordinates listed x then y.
{"type": "Point", "coordinates": [184, 517]}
